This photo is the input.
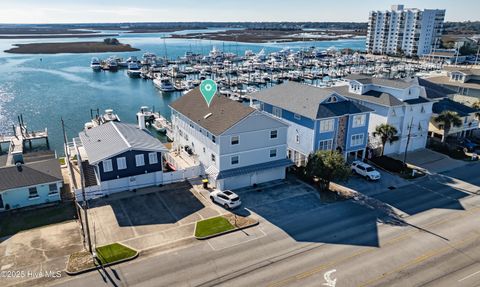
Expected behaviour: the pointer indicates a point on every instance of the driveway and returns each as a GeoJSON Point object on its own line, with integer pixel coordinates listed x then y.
{"type": "Point", "coordinates": [430, 160]}
{"type": "Point", "coordinates": [387, 181]}
{"type": "Point", "coordinates": [149, 217]}
{"type": "Point", "coordinates": [40, 249]}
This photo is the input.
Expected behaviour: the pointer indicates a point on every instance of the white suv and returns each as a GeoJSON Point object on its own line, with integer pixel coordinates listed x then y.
{"type": "Point", "coordinates": [365, 170]}
{"type": "Point", "coordinates": [226, 198]}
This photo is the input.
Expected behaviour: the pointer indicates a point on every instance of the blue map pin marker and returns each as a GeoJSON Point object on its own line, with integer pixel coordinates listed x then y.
{"type": "Point", "coordinates": [208, 88]}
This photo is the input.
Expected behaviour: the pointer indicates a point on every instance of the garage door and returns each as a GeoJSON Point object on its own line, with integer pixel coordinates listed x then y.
{"type": "Point", "coordinates": [270, 174]}
{"type": "Point", "coordinates": [236, 182]}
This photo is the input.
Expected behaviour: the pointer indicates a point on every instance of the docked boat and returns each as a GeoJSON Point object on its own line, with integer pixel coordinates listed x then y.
{"type": "Point", "coordinates": [164, 84]}
{"type": "Point", "coordinates": [112, 64]}
{"type": "Point", "coordinates": [108, 116]}
{"type": "Point", "coordinates": [134, 70]}
{"type": "Point", "coordinates": [95, 64]}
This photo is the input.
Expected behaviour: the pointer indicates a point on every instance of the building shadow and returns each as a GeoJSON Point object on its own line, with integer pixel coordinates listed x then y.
{"type": "Point", "coordinates": [303, 214]}
{"type": "Point", "coordinates": [160, 205]}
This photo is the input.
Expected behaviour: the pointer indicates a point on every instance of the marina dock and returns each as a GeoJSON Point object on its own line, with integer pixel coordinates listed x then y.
{"type": "Point", "coordinates": [19, 139]}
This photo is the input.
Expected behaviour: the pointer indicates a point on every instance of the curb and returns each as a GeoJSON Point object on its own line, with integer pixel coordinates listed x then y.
{"type": "Point", "coordinates": [228, 231]}
{"type": "Point", "coordinates": [102, 266]}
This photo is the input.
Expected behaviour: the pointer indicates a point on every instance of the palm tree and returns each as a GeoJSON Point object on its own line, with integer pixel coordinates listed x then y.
{"type": "Point", "coordinates": [449, 119]}
{"type": "Point", "coordinates": [386, 133]}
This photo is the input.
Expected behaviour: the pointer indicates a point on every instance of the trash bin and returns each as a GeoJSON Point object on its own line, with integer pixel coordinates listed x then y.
{"type": "Point", "coordinates": [205, 183]}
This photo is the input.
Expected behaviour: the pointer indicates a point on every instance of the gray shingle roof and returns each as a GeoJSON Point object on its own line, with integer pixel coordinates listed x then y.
{"type": "Point", "coordinates": [449, 105]}
{"type": "Point", "coordinates": [225, 113]}
{"type": "Point", "coordinates": [305, 100]}
{"type": "Point", "coordinates": [30, 174]}
{"type": "Point", "coordinates": [380, 98]}
{"type": "Point", "coordinates": [398, 84]}
{"type": "Point", "coordinates": [435, 91]}
{"type": "Point", "coordinates": [113, 138]}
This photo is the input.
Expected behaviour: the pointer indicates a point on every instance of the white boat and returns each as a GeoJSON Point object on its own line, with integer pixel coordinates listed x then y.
{"type": "Point", "coordinates": [95, 64]}
{"type": "Point", "coordinates": [134, 70]}
{"type": "Point", "coordinates": [164, 84]}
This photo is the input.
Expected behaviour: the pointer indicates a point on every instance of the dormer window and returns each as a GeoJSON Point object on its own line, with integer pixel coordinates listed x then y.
{"type": "Point", "coordinates": [332, 99]}
{"type": "Point", "coordinates": [422, 110]}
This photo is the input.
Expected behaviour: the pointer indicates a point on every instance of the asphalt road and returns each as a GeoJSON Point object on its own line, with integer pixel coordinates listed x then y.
{"type": "Point", "coordinates": [428, 234]}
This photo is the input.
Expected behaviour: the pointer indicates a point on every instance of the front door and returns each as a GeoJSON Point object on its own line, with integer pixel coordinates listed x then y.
{"type": "Point", "coordinates": [1, 202]}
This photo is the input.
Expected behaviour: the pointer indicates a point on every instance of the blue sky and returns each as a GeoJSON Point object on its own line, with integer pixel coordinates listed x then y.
{"type": "Point", "coordinates": [67, 11]}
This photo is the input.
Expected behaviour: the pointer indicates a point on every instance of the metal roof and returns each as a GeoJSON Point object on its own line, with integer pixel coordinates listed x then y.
{"type": "Point", "coordinates": [221, 115]}
{"type": "Point", "coordinates": [307, 100]}
{"type": "Point", "coordinates": [433, 90]}
{"type": "Point", "coordinates": [113, 138]}
{"type": "Point", "coordinates": [30, 174]}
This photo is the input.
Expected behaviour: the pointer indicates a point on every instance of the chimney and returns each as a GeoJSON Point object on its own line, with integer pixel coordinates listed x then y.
{"type": "Point", "coordinates": [141, 120]}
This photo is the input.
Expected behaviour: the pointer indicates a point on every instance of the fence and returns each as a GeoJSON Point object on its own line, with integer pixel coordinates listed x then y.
{"type": "Point", "coordinates": [136, 182]}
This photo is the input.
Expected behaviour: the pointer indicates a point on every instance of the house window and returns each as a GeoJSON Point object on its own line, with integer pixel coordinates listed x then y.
{"type": "Point", "coordinates": [423, 110]}
{"type": "Point", "coordinates": [297, 137]}
{"type": "Point", "coordinates": [153, 158]}
{"type": "Point", "coordinates": [325, 145]}
{"type": "Point", "coordinates": [326, 126]}
{"type": "Point", "coordinates": [277, 112]}
{"type": "Point", "coordinates": [213, 138]}
{"type": "Point", "coordinates": [186, 136]}
{"type": "Point", "coordinates": [139, 160]}
{"type": "Point", "coordinates": [357, 140]}
{"type": "Point", "coordinates": [32, 192]}
{"type": "Point", "coordinates": [204, 150]}
{"type": "Point", "coordinates": [273, 152]}
{"type": "Point", "coordinates": [107, 165]}
{"type": "Point", "coordinates": [235, 140]}
{"type": "Point", "coordinates": [234, 159]}
{"type": "Point", "coordinates": [52, 188]}
{"type": "Point", "coordinates": [213, 157]}
{"type": "Point", "coordinates": [273, 134]}
{"type": "Point", "coordinates": [297, 116]}
{"type": "Point", "coordinates": [121, 163]}
{"type": "Point", "coordinates": [359, 121]}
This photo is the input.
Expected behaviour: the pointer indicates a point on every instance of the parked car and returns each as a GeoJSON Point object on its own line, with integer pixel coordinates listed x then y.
{"type": "Point", "coordinates": [226, 198]}
{"type": "Point", "coordinates": [467, 145]}
{"type": "Point", "coordinates": [365, 170]}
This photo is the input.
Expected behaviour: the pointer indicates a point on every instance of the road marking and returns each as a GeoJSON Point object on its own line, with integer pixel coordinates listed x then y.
{"type": "Point", "coordinates": [394, 240]}
{"type": "Point", "coordinates": [239, 243]}
{"type": "Point", "coordinates": [471, 275]}
{"type": "Point", "coordinates": [420, 259]}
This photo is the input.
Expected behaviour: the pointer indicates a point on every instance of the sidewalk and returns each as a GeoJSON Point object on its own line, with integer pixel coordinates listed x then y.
{"type": "Point", "coordinates": [432, 161]}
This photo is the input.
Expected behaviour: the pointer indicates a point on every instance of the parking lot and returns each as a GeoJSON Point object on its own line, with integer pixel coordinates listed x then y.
{"type": "Point", "coordinates": [386, 182]}
{"type": "Point", "coordinates": [150, 216]}
{"type": "Point", "coordinates": [299, 210]}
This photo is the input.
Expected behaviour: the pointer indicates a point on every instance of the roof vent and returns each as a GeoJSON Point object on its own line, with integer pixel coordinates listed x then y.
{"type": "Point", "coordinates": [207, 115]}
{"type": "Point", "coordinates": [19, 166]}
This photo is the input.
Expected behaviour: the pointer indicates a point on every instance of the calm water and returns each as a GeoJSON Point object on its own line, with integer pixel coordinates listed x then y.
{"type": "Point", "coordinates": [63, 85]}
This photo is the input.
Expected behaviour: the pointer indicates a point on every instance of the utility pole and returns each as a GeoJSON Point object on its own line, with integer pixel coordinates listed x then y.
{"type": "Point", "coordinates": [478, 52]}
{"type": "Point", "coordinates": [85, 204]}
{"type": "Point", "coordinates": [408, 141]}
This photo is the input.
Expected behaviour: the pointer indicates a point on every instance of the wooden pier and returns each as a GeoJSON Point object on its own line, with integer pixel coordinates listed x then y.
{"type": "Point", "coordinates": [19, 139]}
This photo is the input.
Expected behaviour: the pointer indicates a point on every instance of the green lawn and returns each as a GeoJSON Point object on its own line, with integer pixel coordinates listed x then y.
{"type": "Point", "coordinates": [212, 226]}
{"type": "Point", "coordinates": [12, 222]}
{"type": "Point", "coordinates": [114, 252]}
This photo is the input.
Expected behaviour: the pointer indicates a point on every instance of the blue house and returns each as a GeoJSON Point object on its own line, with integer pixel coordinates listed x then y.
{"type": "Point", "coordinates": [318, 119]}
{"type": "Point", "coordinates": [118, 156]}
{"type": "Point", "coordinates": [32, 180]}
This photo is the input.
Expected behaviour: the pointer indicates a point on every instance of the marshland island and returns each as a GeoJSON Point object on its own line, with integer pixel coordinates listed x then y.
{"type": "Point", "coordinates": [107, 45]}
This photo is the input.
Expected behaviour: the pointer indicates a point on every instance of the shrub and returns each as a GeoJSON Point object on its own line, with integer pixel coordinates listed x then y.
{"type": "Point", "coordinates": [390, 164]}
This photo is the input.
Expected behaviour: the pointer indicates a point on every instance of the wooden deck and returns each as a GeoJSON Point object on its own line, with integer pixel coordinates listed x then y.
{"type": "Point", "coordinates": [21, 137]}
